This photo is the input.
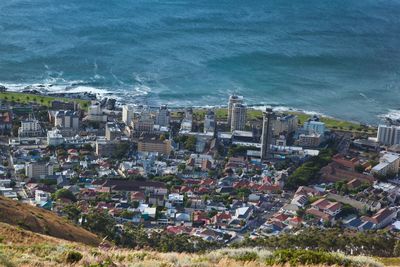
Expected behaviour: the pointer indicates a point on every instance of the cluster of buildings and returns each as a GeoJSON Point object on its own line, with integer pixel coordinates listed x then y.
{"type": "Point", "coordinates": [202, 175]}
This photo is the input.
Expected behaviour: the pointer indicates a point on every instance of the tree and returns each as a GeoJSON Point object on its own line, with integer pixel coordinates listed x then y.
{"type": "Point", "coordinates": [64, 193]}
{"type": "Point", "coordinates": [359, 168]}
{"type": "Point", "coordinates": [190, 143]}
{"type": "Point", "coordinates": [120, 150]}
{"type": "Point", "coordinates": [100, 223]}
{"type": "Point", "coordinates": [396, 249]}
{"type": "Point", "coordinates": [72, 212]}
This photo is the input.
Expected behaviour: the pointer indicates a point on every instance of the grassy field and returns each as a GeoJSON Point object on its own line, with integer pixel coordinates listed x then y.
{"type": "Point", "coordinates": [25, 98]}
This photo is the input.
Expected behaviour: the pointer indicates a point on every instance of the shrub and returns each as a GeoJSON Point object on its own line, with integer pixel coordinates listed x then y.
{"type": "Point", "coordinates": [307, 257]}
{"type": "Point", "coordinates": [247, 256]}
{"type": "Point", "coordinates": [73, 256]}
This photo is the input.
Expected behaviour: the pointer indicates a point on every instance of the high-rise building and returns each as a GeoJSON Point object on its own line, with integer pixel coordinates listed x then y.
{"type": "Point", "coordinates": [144, 122]}
{"type": "Point", "coordinates": [388, 135]}
{"type": "Point", "coordinates": [267, 133]}
{"type": "Point", "coordinates": [314, 127]}
{"type": "Point", "coordinates": [67, 119]}
{"type": "Point", "coordinates": [112, 131]}
{"type": "Point", "coordinates": [233, 99]}
{"type": "Point", "coordinates": [209, 122]}
{"type": "Point", "coordinates": [95, 113]}
{"type": "Point", "coordinates": [127, 114]}
{"type": "Point", "coordinates": [238, 120]}
{"type": "Point", "coordinates": [163, 116]}
{"type": "Point", "coordinates": [285, 124]}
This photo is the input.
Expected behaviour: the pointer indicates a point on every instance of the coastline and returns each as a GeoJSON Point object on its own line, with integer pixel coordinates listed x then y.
{"type": "Point", "coordinates": [254, 111]}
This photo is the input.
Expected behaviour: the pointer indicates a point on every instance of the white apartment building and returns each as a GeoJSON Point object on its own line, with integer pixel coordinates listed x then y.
{"type": "Point", "coordinates": [388, 135]}
{"type": "Point", "coordinates": [238, 120]}
{"type": "Point", "coordinates": [38, 170]}
{"type": "Point", "coordinates": [30, 128]}
{"type": "Point", "coordinates": [388, 164]}
{"type": "Point", "coordinates": [127, 114]}
{"type": "Point", "coordinates": [66, 119]}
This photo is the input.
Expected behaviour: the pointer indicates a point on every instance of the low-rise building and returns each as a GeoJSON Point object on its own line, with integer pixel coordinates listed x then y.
{"type": "Point", "coordinates": [154, 145]}
{"type": "Point", "coordinates": [309, 140]}
{"type": "Point", "coordinates": [55, 138]}
{"type": "Point", "coordinates": [30, 128]}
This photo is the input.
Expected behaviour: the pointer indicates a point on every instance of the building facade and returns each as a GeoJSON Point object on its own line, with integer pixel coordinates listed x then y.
{"type": "Point", "coordinates": [127, 114]}
{"type": "Point", "coordinates": [267, 133]}
{"type": "Point", "coordinates": [112, 131]}
{"type": "Point", "coordinates": [233, 99]}
{"type": "Point", "coordinates": [239, 115]}
{"type": "Point", "coordinates": [30, 128]}
{"type": "Point", "coordinates": [163, 116]}
{"type": "Point", "coordinates": [154, 145]}
{"type": "Point", "coordinates": [38, 170]}
{"type": "Point", "coordinates": [388, 164]}
{"type": "Point", "coordinates": [66, 119]}
{"type": "Point", "coordinates": [209, 122]}
{"type": "Point", "coordinates": [388, 135]}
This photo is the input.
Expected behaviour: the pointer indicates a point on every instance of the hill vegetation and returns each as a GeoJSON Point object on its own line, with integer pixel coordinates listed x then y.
{"type": "Point", "coordinates": [44, 222]}
{"type": "Point", "coordinates": [19, 247]}
{"type": "Point", "coordinates": [31, 236]}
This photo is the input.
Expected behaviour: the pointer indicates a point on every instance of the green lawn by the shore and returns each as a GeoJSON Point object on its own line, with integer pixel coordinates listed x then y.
{"type": "Point", "coordinates": [199, 113]}
{"type": "Point", "coordinates": [331, 123]}
{"type": "Point", "coordinates": [26, 98]}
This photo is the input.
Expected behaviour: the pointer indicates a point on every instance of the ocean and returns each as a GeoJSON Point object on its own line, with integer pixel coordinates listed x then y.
{"type": "Point", "coordinates": [340, 57]}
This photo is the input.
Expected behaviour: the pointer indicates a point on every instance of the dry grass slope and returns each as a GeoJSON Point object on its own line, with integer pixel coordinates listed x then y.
{"type": "Point", "coordinates": [19, 247]}
{"type": "Point", "coordinates": [43, 222]}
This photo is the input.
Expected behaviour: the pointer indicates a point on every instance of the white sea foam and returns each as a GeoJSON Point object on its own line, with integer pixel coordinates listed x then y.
{"type": "Point", "coordinates": [393, 114]}
{"type": "Point", "coordinates": [287, 109]}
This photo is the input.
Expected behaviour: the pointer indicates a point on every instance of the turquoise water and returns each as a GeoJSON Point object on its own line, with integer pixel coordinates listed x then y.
{"type": "Point", "coordinates": [339, 58]}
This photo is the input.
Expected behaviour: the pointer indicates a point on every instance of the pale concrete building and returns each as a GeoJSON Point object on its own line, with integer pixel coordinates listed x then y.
{"type": "Point", "coordinates": [388, 164]}
{"type": "Point", "coordinates": [209, 122]}
{"type": "Point", "coordinates": [388, 135]}
{"type": "Point", "coordinates": [66, 119]}
{"type": "Point", "coordinates": [127, 114]}
{"type": "Point", "coordinates": [163, 116]}
{"type": "Point", "coordinates": [38, 170]}
{"type": "Point", "coordinates": [233, 99]}
{"type": "Point", "coordinates": [239, 115]}
{"type": "Point", "coordinates": [154, 145]}
{"type": "Point", "coordinates": [30, 128]}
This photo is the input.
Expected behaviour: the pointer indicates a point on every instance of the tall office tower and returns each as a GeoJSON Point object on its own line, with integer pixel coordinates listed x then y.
{"type": "Point", "coordinates": [162, 117]}
{"type": "Point", "coordinates": [189, 114]}
{"type": "Point", "coordinates": [233, 99]}
{"type": "Point", "coordinates": [127, 114]}
{"type": "Point", "coordinates": [267, 133]}
{"type": "Point", "coordinates": [209, 122]}
{"type": "Point", "coordinates": [238, 120]}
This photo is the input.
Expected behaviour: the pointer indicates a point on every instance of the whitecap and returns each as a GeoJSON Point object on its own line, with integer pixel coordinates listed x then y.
{"type": "Point", "coordinates": [393, 114]}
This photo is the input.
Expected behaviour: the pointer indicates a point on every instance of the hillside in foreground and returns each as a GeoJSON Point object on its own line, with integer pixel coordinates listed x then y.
{"type": "Point", "coordinates": [19, 247]}
{"type": "Point", "coordinates": [43, 222]}
{"type": "Point", "coordinates": [31, 236]}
